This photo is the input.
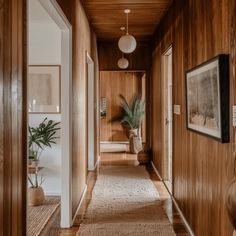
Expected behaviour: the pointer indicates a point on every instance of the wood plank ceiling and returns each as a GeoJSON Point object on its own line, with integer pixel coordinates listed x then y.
{"type": "Point", "coordinates": [107, 16]}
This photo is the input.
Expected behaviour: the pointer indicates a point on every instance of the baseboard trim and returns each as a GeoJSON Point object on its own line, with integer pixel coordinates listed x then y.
{"type": "Point", "coordinates": [80, 203]}
{"type": "Point", "coordinates": [97, 163]}
{"type": "Point", "coordinates": [95, 166]}
{"type": "Point", "coordinates": [174, 201]}
{"type": "Point", "coordinates": [52, 194]}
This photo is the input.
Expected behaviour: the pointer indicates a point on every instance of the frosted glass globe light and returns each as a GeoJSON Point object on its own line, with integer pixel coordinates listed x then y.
{"type": "Point", "coordinates": [127, 43]}
{"type": "Point", "coordinates": [123, 63]}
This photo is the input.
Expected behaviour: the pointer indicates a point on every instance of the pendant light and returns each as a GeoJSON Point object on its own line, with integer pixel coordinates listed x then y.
{"type": "Point", "coordinates": [123, 63]}
{"type": "Point", "coordinates": [127, 43]}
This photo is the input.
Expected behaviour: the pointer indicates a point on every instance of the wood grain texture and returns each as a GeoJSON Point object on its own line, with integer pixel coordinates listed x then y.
{"type": "Point", "coordinates": [140, 60]}
{"type": "Point", "coordinates": [13, 118]}
{"type": "Point", "coordinates": [112, 84]}
{"type": "Point", "coordinates": [107, 16]}
{"type": "Point", "coordinates": [198, 30]}
{"type": "Point", "coordinates": [83, 42]}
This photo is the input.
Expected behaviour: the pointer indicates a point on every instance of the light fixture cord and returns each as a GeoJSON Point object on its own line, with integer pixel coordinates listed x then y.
{"type": "Point", "coordinates": [127, 22]}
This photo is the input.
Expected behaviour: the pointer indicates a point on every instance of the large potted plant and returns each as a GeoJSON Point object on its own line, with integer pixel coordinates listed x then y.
{"type": "Point", "coordinates": [131, 117]}
{"type": "Point", "coordinates": [44, 135]}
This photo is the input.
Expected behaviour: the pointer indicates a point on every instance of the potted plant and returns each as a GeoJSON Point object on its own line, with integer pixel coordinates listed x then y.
{"type": "Point", "coordinates": [44, 135]}
{"type": "Point", "coordinates": [131, 117]}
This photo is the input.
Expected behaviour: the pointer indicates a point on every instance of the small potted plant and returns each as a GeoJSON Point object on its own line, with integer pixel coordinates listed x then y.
{"type": "Point", "coordinates": [44, 135]}
{"type": "Point", "coordinates": [131, 118]}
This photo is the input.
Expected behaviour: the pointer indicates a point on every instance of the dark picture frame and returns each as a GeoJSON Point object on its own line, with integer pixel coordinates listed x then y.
{"type": "Point", "coordinates": [207, 98]}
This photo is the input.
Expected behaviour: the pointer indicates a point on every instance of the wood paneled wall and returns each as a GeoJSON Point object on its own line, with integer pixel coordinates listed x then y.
{"type": "Point", "coordinates": [112, 84]}
{"type": "Point", "coordinates": [83, 42]}
{"type": "Point", "coordinates": [198, 31]}
{"type": "Point", "coordinates": [13, 118]}
{"type": "Point", "coordinates": [109, 54]}
{"type": "Point", "coordinates": [140, 59]}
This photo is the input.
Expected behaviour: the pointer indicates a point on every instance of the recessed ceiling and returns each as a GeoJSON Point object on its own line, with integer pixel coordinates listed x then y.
{"type": "Point", "coordinates": [107, 16]}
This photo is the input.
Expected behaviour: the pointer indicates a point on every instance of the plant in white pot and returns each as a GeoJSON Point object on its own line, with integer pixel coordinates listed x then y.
{"type": "Point", "coordinates": [44, 135]}
{"type": "Point", "coordinates": [131, 117]}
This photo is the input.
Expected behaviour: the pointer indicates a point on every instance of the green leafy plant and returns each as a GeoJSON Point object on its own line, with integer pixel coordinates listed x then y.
{"type": "Point", "coordinates": [131, 114]}
{"type": "Point", "coordinates": [44, 135]}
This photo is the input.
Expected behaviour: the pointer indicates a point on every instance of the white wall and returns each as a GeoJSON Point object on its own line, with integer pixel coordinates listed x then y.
{"type": "Point", "coordinates": [50, 158]}
{"type": "Point", "coordinates": [45, 49]}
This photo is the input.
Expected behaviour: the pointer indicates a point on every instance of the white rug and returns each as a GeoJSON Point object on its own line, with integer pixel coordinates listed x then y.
{"type": "Point", "coordinates": [125, 203]}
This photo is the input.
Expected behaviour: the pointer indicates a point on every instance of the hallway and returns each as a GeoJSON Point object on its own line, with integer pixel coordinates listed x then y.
{"type": "Point", "coordinates": [155, 78]}
{"type": "Point", "coordinates": [143, 199]}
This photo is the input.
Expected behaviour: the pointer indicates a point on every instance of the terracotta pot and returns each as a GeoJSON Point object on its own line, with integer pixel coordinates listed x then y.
{"type": "Point", "coordinates": [35, 196]}
{"type": "Point", "coordinates": [231, 202]}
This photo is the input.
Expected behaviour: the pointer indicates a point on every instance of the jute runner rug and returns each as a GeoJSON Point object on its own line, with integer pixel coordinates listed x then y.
{"type": "Point", "coordinates": [125, 203]}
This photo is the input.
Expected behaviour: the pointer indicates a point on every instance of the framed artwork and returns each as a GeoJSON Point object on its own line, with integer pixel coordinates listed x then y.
{"type": "Point", "coordinates": [44, 89]}
{"type": "Point", "coordinates": [207, 91]}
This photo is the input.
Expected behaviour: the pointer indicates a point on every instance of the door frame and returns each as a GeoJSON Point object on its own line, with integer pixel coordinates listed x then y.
{"type": "Point", "coordinates": [91, 113]}
{"type": "Point", "coordinates": [165, 115]}
{"type": "Point", "coordinates": [58, 16]}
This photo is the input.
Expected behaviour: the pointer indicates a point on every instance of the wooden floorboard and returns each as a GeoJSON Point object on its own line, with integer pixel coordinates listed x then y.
{"type": "Point", "coordinates": [165, 198]}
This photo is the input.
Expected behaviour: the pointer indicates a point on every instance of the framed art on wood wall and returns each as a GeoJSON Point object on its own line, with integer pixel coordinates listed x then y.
{"type": "Point", "coordinates": [207, 94]}
{"type": "Point", "coordinates": [44, 89]}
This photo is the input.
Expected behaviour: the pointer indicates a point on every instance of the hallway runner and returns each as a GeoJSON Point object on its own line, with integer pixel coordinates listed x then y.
{"type": "Point", "coordinates": [125, 202]}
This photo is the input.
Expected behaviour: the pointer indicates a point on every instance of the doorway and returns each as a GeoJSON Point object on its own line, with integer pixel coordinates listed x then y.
{"type": "Point", "coordinates": [91, 113]}
{"type": "Point", "coordinates": [114, 137]}
{"type": "Point", "coordinates": [50, 50]}
{"type": "Point", "coordinates": [168, 117]}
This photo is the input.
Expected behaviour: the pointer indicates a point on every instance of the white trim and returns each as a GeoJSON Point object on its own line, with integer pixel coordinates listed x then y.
{"type": "Point", "coordinates": [174, 201]}
{"type": "Point", "coordinates": [96, 164]}
{"type": "Point", "coordinates": [90, 112]}
{"type": "Point", "coordinates": [57, 15]}
{"type": "Point", "coordinates": [54, 10]}
{"type": "Point", "coordinates": [80, 203]}
{"type": "Point", "coordinates": [56, 194]}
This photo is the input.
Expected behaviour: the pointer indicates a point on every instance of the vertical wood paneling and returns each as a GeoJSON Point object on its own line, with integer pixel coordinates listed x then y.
{"type": "Point", "coordinates": [13, 118]}
{"type": "Point", "coordinates": [198, 30]}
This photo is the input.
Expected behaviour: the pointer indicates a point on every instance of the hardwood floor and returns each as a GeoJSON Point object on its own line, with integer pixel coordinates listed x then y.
{"type": "Point", "coordinates": [120, 159]}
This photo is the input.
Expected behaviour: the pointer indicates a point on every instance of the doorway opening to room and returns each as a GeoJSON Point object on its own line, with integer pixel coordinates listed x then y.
{"type": "Point", "coordinates": [168, 117]}
{"type": "Point", "coordinates": [114, 136]}
{"type": "Point", "coordinates": [92, 157]}
{"type": "Point", "coordinates": [49, 105]}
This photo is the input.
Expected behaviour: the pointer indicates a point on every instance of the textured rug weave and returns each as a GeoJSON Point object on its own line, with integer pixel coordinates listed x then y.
{"type": "Point", "coordinates": [125, 203]}
{"type": "Point", "coordinates": [38, 216]}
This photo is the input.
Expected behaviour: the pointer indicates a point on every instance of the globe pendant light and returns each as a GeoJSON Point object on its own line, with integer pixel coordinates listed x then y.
{"type": "Point", "coordinates": [123, 63]}
{"type": "Point", "coordinates": [127, 43]}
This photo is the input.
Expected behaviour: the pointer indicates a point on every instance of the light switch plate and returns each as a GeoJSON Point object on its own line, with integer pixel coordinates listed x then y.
{"type": "Point", "coordinates": [177, 109]}
{"type": "Point", "coordinates": [234, 115]}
